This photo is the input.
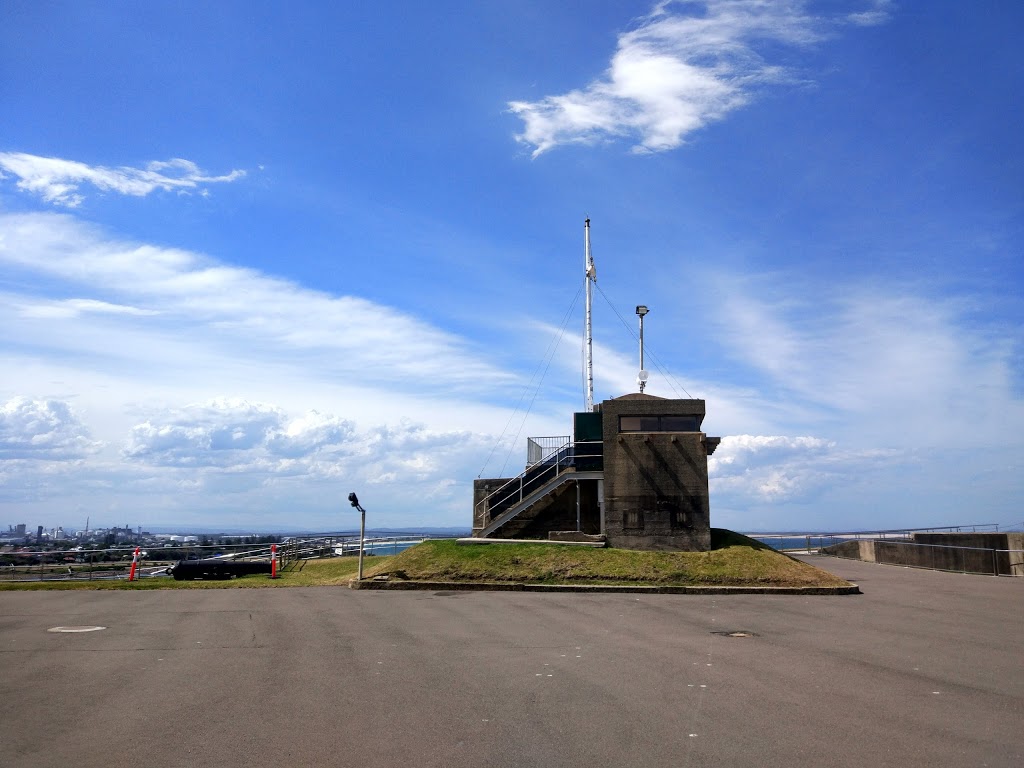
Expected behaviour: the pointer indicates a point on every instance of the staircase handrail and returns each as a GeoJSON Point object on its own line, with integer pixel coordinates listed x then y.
{"type": "Point", "coordinates": [564, 460]}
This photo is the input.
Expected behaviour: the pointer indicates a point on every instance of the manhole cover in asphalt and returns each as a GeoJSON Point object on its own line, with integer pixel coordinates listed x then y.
{"type": "Point", "coordinates": [736, 633]}
{"type": "Point", "coordinates": [75, 629]}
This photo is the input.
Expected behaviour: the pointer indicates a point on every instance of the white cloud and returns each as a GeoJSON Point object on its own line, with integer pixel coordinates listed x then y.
{"type": "Point", "coordinates": [737, 452]}
{"type": "Point", "coordinates": [684, 65]}
{"type": "Point", "coordinates": [233, 435]}
{"type": "Point", "coordinates": [779, 468]}
{"type": "Point", "coordinates": [42, 429]}
{"type": "Point", "coordinates": [234, 449]}
{"type": "Point", "coordinates": [59, 181]}
{"type": "Point", "coordinates": [295, 394]}
{"type": "Point", "coordinates": [71, 308]}
{"type": "Point", "coordinates": [768, 468]}
{"type": "Point", "coordinates": [140, 292]}
{"type": "Point", "coordinates": [888, 363]}
{"type": "Point", "coordinates": [914, 405]}
{"type": "Point", "coordinates": [879, 13]}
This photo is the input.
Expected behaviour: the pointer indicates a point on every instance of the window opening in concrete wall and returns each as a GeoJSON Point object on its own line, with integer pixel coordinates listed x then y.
{"type": "Point", "coordinates": [658, 424]}
{"type": "Point", "coordinates": [633, 519]}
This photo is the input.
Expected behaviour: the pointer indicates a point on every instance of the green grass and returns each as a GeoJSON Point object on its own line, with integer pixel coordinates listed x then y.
{"type": "Point", "coordinates": [734, 560]}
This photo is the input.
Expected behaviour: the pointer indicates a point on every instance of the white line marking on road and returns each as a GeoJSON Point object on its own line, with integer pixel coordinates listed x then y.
{"type": "Point", "coordinates": [74, 630]}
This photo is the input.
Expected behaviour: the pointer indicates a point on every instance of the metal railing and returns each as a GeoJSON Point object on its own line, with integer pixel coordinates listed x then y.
{"type": "Point", "coordinates": [540, 448]}
{"type": "Point", "coordinates": [114, 563]}
{"type": "Point", "coordinates": [808, 537]}
{"type": "Point", "coordinates": [296, 550]}
{"type": "Point", "coordinates": [536, 476]}
{"type": "Point", "coordinates": [990, 561]}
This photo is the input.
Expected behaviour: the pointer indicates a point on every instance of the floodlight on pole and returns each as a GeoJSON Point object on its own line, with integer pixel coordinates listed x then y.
{"type": "Point", "coordinates": [641, 378]}
{"type": "Point", "coordinates": [354, 501]}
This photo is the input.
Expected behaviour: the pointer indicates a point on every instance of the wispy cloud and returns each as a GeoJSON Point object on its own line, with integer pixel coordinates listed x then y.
{"type": "Point", "coordinates": [879, 13]}
{"type": "Point", "coordinates": [59, 181]}
{"type": "Point", "coordinates": [686, 64]}
{"type": "Point", "coordinates": [67, 308]}
{"type": "Point", "coordinates": [889, 362]}
{"type": "Point", "coordinates": [189, 296]}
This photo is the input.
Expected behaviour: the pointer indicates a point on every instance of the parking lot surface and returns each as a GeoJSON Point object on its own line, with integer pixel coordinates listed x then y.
{"type": "Point", "coordinates": [923, 669]}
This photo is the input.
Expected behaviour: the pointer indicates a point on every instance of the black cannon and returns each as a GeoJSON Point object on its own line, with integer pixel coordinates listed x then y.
{"type": "Point", "coordinates": [217, 568]}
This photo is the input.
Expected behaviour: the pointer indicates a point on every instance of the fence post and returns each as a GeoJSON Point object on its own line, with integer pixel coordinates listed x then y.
{"type": "Point", "coordinates": [995, 562]}
{"type": "Point", "coordinates": [135, 564]}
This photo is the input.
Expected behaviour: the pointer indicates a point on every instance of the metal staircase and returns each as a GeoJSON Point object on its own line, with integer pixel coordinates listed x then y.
{"type": "Point", "coordinates": [537, 486]}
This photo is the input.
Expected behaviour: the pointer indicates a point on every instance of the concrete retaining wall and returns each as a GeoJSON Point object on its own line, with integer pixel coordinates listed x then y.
{"type": "Point", "coordinates": [964, 552]}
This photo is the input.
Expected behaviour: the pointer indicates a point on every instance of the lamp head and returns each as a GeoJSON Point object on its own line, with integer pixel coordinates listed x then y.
{"type": "Point", "coordinates": [353, 499]}
{"type": "Point", "coordinates": [642, 310]}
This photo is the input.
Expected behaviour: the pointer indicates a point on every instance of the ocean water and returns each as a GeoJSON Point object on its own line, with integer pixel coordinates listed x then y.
{"type": "Point", "coordinates": [796, 541]}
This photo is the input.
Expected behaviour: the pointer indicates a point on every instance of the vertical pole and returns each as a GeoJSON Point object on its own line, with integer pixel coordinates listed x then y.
{"type": "Point", "coordinates": [642, 382]}
{"type": "Point", "coordinates": [578, 526]}
{"type": "Point", "coordinates": [588, 331]}
{"type": "Point", "coordinates": [362, 536]}
{"type": "Point", "coordinates": [135, 564]}
{"type": "Point", "coordinates": [273, 561]}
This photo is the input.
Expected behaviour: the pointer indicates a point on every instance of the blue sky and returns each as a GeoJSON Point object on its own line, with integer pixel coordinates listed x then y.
{"type": "Point", "coordinates": [256, 255]}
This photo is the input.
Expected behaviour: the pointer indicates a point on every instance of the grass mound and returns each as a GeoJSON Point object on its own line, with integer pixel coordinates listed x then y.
{"type": "Point", "coordinates": [734, 560]}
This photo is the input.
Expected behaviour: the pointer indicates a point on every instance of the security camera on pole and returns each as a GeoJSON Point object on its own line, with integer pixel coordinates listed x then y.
{"type": "Point", "coordinates": [354, 501]}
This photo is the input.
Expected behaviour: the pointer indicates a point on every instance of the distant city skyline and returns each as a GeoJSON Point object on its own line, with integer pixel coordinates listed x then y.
{"type": "Point", "coordinates": [254, 259]}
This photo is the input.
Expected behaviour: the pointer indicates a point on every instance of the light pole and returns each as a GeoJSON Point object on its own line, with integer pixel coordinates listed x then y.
{"type": "Point", "coordinates": [354, 501]}
{"type": "Point", "coordinates": [641, 378]}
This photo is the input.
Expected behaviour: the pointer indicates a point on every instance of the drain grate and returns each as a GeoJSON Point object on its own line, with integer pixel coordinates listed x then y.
{"type": "Point", "coordinates": [737, 633]}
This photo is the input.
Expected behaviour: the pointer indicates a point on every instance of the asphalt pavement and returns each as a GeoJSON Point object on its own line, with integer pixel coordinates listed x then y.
{"type": "Point", "coordinates": [922, 669]}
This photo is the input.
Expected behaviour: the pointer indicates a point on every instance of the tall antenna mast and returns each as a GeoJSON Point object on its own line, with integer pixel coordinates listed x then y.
{"type": "Point", "coordinates": [588, 334]}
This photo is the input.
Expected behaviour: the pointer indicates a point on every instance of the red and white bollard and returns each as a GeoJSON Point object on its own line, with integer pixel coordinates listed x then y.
{"type": "Point", "coordinates": [135, 565]}
{"type": "Point", "coordinates": [273, 561]}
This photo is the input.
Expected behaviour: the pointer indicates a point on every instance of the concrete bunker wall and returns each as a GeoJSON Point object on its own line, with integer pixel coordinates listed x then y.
{"type": "Point", "coordinates": [655, 483]}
